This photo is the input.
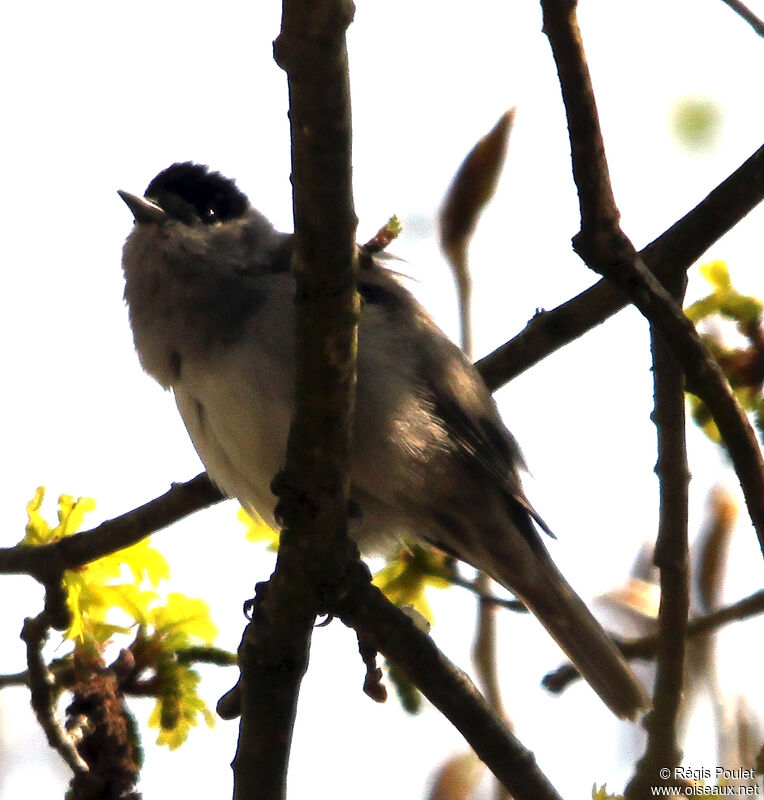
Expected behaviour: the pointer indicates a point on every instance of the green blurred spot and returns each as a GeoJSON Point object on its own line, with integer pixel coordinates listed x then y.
{"type": "Point", "coordinates": [696, 123]}
{"type": "Point", "coordinates": [409, 696]}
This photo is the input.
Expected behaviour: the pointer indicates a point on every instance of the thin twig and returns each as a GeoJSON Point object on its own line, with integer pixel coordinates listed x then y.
{"type": "Point", "coordinates": [15, 679]}
{"type": "Point", "coordinates": [742, 10]}
{"type": "Point", "coordinates": [486, 659]}
{"type": "Point", "coordinates": [486, 596]}
{"type": "Point", "coordinates": [750, 606]}
{"type": "Point", "coordinates": [43, 693]}
{"type": "Point", "coordinates": [484, 651]}
{"type": "Point", "coordinates": [645, 647]}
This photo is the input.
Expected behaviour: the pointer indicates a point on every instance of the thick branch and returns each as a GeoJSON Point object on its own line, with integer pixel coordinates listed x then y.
{"type": "Point", "coordinates": [314, 487]}
{"type": "Point", "coordinates": [47, 562]}
{"type": "Point", "coordinates": [607, 250]}
{"type": "Point", "coordinates": [672, 253]}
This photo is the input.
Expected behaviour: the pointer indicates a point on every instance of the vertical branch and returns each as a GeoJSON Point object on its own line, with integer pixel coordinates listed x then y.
{"type": "Point", "coordinates": [311, 49]}
{"type": "Point", "coordinates": [671, 558]}
{"type": "Point", "coordinates": [599, 214]}
{"type": "Point", "coordinates": [486, 658]}
{"type": "Point", "coordinates": [313, 488]}
{"type": "Point", "coordinates": [484, 652]}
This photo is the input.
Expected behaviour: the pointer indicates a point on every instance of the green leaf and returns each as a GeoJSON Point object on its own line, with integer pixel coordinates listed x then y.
{"type": "Point", "coordinates": [703, 419]}
{"type": "Point", "coordinates": [38, 531]}
{"type": "Point", "coordinates": [740, 307]}
{"type": "Point", "coordinates": [258, 530]}
{"type": "Point", "coordinates": [71, 513]}
{"type": "Point", "coordinates": [97, 590]}
{"type": "Point", "coordinates": [183, 618]}
{"type": "Point", "coordinates": [405, 579]}
{"type": "Point", "coordinates": [703, 308]}
{"type": "Point", "coordinates": [717, 274]}
{"type": "Point", "coordinates": [179, 706]}
{"type": "Point", "coordinates": [409, 696]}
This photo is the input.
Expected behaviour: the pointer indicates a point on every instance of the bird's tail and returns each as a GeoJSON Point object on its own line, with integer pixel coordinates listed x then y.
{"type": "Point", "coordinates": [570, 623]}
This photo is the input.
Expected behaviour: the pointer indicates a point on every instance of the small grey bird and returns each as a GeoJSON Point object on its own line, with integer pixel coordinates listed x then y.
{"type": "Point", "coordinates": [210, 296]}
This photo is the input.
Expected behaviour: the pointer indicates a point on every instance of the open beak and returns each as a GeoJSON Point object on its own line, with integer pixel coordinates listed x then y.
{"type": "Point", "coordinates": [143, 210]}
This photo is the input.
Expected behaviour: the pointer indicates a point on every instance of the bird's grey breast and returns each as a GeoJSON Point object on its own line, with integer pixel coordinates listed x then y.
{"type": "Point", "coordinates": [223, 342]}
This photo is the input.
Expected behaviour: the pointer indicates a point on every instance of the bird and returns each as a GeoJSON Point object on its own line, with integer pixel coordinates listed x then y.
{"type": "Point", "coordinates": [210, 299]}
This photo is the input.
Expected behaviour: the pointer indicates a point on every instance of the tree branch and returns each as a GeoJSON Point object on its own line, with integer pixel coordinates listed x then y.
{"type": "Point", "coordinates": [47, 562]}
{"type": "Point", "coordinates": [673, 252]}
{"type": "Point", "coordinates": [671, 558]}
{"type": "Point", "coordinates": [606, 249]}
{"type": "Point", "coordinates": [479, 589]}
{"type": "Point", "coordinates": [364, 608]}
{"type": "Point", "coordinates": [43, 693]}
{"type": "Point", "coordinates": [314, 487]}
{"type": "Point", "coordinates": [743, 11]}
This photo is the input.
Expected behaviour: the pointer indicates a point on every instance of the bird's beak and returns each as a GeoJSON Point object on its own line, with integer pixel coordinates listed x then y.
{"type": "Point", "coordinates": [143, 210]}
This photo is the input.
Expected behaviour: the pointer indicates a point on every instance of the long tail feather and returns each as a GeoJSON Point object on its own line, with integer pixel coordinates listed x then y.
{"type": "Point", "coordinates": [567, 619]}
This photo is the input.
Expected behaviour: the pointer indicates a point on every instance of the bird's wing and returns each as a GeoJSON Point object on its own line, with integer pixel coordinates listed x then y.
{"type": "Point", "coordinates": [458, 399]}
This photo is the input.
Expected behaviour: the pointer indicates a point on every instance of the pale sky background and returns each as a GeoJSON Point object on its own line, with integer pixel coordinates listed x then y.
{"type": "Point", "coordinates": [98, 97]}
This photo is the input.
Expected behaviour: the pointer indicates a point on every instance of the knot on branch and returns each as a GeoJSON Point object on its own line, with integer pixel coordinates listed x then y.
{"type": "Point", "coordinates": [309, 27]}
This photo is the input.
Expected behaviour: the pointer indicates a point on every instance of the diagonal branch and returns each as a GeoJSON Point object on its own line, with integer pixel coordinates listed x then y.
{"type": "Point", "coordinates": [364, 608]}
{"type": "Point", "coordinates": [673, 252]}
{"type": "Point", "coordinates": [606, 249]}
{"type": "Point", "coordinates": [47, 562]}
{"type": "Point", "coordinates": [743, 11]}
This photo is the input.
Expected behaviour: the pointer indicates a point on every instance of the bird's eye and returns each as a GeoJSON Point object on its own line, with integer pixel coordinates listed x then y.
{"type": "Point", "coordinates": [209, 217]}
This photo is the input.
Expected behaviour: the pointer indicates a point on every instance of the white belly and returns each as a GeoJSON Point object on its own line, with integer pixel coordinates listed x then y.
{"type": "Point", "coordinates": [237, 415]}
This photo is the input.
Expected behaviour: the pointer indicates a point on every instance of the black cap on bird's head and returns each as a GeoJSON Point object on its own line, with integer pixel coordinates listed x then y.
{"type": "Point", "coordinates": [195, 212]}
{"type": "Point", "coordinates": [188, 193]}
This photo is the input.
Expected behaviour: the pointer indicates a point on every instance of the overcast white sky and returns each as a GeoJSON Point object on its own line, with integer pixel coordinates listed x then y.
{"type": "Point", "coordinates": [99, 96]}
